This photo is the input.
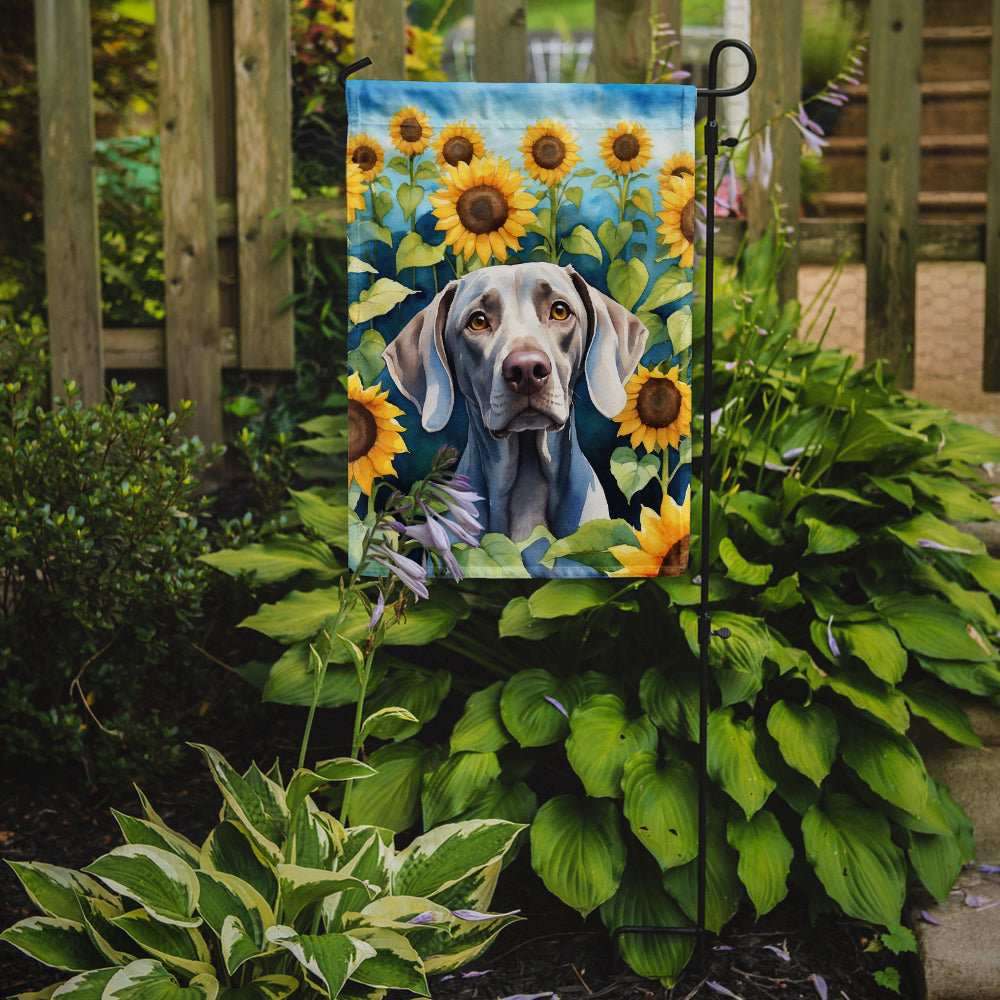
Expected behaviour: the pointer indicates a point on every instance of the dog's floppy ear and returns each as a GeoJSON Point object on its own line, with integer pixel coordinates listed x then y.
{"type": "Point", "coordinates": [616, 340]}
{"type": "Point", "coordinates": [418, 364]}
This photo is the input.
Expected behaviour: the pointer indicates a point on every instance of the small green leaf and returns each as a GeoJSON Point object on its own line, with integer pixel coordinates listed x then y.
{"type": "Point", "coordinates": [614, 236]}
{"type": "Point", "coordinates": [670, 286]}
{"type": "Point", "coordinates": [366, 359]}
{"type": "Point", "coordinates": [414, 252]}
{"type": "Point", "coordinates": [627, 281]}
{"type": "Point", "coordinates": [381, 298]}
{"type": "Point", "coordinates": [581, 242]}
{"type": "Point", "coordinates": [632, 473]}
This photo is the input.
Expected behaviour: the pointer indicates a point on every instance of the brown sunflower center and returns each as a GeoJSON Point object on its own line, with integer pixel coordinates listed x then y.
{"type": "Point", "coordinates": [626, 147]}
{"type": "Point", "coordinates": [676, 558]}
{"type": "Point", "coordinates": [410, 130]}
{"type": "Point", "coordinates": [458, 149]}
{"type": "Point", "coordinates": [687, 220]}
{"type": "Point", "coordinates": [362, 431]}
{"type": "Point", "coordinates": [482, 209]}
{"type": "Point", "coordinates": [548, 152]}
{"type": "Point", "coordinates": [658, 403]}
{"type": "Point", "coordinates": [365, 157]}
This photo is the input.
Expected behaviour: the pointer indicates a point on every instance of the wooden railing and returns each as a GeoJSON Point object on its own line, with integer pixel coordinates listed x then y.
{"type": "Point", "coordinates": [226, 156]}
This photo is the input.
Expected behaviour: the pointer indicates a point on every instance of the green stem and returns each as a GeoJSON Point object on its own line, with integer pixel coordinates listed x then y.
{"type": "Point", "coordinates": [359, 718]}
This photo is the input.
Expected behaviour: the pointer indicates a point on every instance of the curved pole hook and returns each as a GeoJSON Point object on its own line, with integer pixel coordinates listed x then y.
{"type": "Point", "coordinates": [353, 68]}
{"type": "Point", "coordinates": [713, 69]}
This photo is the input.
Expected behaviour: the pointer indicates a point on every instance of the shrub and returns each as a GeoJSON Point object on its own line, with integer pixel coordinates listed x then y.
{"type": "Point", "coordinates": [99, 539]}
{"type": "Point", "coordinates": [280, 899]}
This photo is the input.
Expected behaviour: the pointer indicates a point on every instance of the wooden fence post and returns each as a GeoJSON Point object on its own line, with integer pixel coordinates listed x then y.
{"type": "Point", "coordinates": [72, 255]}
{"type": "Point", "coordinates": [261, 57]}
{"type": "Point", "coordinates": [991, 332]}
{"type": "Point", "coordinates": [380, 34]}
{"type": "Point", "coordinates": [892, 213]}
{"type": "Point", "coordinates": [501, 41]}
{"type": "Point", "coordinates": [190, 251]}
{"type": "Point", "coordinates": [622, 40]}
{"type": "Point", "coordinates": [776, 35]}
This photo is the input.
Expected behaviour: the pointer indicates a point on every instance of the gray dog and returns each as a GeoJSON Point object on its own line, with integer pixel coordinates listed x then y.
{"type": "Point", "coordinates": [515, 339]}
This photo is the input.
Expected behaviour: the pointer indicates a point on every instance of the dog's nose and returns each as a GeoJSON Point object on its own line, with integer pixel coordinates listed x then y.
{"type": "Point", "coordinates": [527, 371]}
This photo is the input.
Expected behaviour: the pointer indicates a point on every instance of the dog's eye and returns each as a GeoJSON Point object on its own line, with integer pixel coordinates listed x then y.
{"type": "Point", "coordinates": [478, 321]}
{"type": "Point", "coordinates": [559, 310]}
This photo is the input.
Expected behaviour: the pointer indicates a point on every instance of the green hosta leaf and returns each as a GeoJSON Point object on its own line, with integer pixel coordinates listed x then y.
{"type": "Point", "coordinates": [481, 728]}
{"type": "Point", "coordinates": [738, 569]}
{"type": "Point", "coordinates": [366, 359]}
{"type": "Point", "coordinates": [163, 884]}
{"type": "Point", "coordinates": [581, 242]}
{"type": "Point", "coordinates": [180, 948]}
{"type": "Point", "coordinates": [456, 784]}
{"type": "Point", "coordinates": [391, 798]}
{"type": "Point", "coordinates": [957, 501]}
{"type": "Point", "coordinates": [327, 520]}
{"type": "Point", "coordinates": [876, 646]}
{"type": "Point", "coordinates": [517, 620]}
{"type": "Point", "coordinates": [561, 598]}
{"type": "Point", "coordinates": [670, 286]}
{"type": "Point", "coordinates": [395, 964]}
{"type": "Point", "coordinates": [941, 709]}
{"type": "Point", "coordinates": [632, 473]}
{"type": "Point", "coordinates": [330, 959]}
{"type": "Point", "coordinates": [298, 615]}
{"type": "Point", "coordinates": [291, 680]}
{"type": "Point", "coordinates": [888, 763]}
{"type": "Point", "coordinates": [850, 847]}
{"type": "Point", "coordinates": [230, 849]}
{"type": "Point", "coordinates": [732, 760]}
{"type": "Point", "coordinates": [828, 539]}
{"type": "Point", "coordinates": [627, 281]}
{"type": "Point", "coordinates": [986, 571]}
{"type": "Point", "coordinates": [976, 678]}
{"type": "Point", "coordinates": [54, 941]}
{"type": "Point", "coordinates": [760, 512]}
{"type": "Point", "coordinates": [530, 706]}
{"type": "Point", "coordinates": [381, 298]}
{"type": "Point", "coordinates": [661, 799]}
{"type": "Point", "coordinates": [782, 596]}
{"type": "Point", "coordinates": [301, 887]}
{"type": "Point", "coordinates": [765, 858]}
{"type": "Point", "coordinates": [870, 436]}
{"type": "Point", "coordinates": [418, 690]}
{"type": "Point", "coordinates": [56, 891]}
{"type": "Point", "coordinates": [440, 858]}
{"type": "Point", "coordinates": [807, 736]}
{"type": "Point", "coordinates": [578, 851]}
{"type": "Point", "coordinates": [723, 889]}
{"type": "Point", "coordinates": [937, 858]}
{"type": "Point", "coordinates": [928, 528]}
{"type": "Point", "coordinates": [388, 722]}
{"type": "Point", "coordinates": [867, 693]}
{"type": "Point", "coordinates": [602, 738]}
{"type": "Point", "coordinates": [932, 628]}
{"type": "Point", "coordinates": [515, 803]}
{"type": "Point", "coordinates": [147, 979]}
{"type": "Point", "coordinates": [414, 252]}
{"type": "Point", "coordinates": [279, 558]}
{"type": "Point", "coordinates": [641, 901]}
{"type": "Point", "coordinates": [738, 661]}
{"type": "Point", "coordinates": [671, 701]}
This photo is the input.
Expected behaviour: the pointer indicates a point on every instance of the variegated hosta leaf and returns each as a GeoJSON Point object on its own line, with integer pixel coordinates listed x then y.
{"type": "Point", "coordinates": [367, 854]}
{"type": "Point", "coordinates": [177, 947]}
{"type": "Point", "coordinates": [54, 941]}
{"type": "Point", "coordinates": [116, 947]}
{"type": "Point", "coordinates": [441, 857]}
{"type": "Point", "coordinates": [315, 838]}
{"type": "Point", "coordinates": [642, 902]}
{"type": "Point", "coordinates": [275, 987]}
{"type": "Point", "coordinates": [301, 887]}
{"type": "Point", "coordinates": [850, 847]}
{"type": "Point", "coordinates": [141, 831]}
{"type": "Point", "coordinates": [468, 939]}
{"type": "Point", "coordinates": [56, 891]}
{"type": "Point", "coordinates": [225, 897]}
{"type": "Point", "coordinates": [87, 986]}
{"type": "Point", "coordinates": [456, 784]}
{"type": "Point", "coordinates": [256, 801]}
{"type": "Point", "coordinates": [304, 782]}
{"type": "Point", "coordinates": [481, 727]}
{"type": "Point", "coordinates": [395, 964]}
{"type": "Point", "coordinates": [328, 959]}
{"type": "Point", "coordinates": [732, 760]}
{"type": "Point", "coordinates": [475, 891]}
{"type": "Point", "coordinates": [602, 737]}
{"type": "Point", "coordinates": [661, 805]}
{"type": "Point", "coordinates": [158, 880]}
{"type": "Point", "coordinates": [149, 980]}
{"type": "Point", "coordinates": [230, 849]}
{"type": "Point", "coordinates": [765, 858]}
{"type": "Point", "coordinates": [578, 851]}
{"type": "Point", "coordinates": [807, 736]}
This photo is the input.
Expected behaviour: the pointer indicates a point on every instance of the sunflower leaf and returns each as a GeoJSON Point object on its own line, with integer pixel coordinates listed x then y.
{"type": "Point", "coordinates": [632, 473]}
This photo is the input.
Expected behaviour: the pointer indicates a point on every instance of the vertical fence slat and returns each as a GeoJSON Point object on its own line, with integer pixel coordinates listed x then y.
{"type": "Point", "coordinates": [501, 41]}
{"type": "Point", "coordinates": [380, 34]}
{"type": "Point", "coordinates": [776, 35]}
{"type": "Point", "coordinates": [190, 253]}
{"type": "Point", "coordinates": [72, 257]}
{"type": "Point", "coordinates": [261, 32]}
{"type": "Point", "coordinates": [621, 40]}
{"type": "Point", "coordinates": [991, 332]}
{"type": "Point", "coordinates": [893, 183]}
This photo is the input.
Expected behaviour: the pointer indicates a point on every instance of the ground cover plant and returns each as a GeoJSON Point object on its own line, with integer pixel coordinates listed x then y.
{"type": "Point", "coordinates": [854, 602]}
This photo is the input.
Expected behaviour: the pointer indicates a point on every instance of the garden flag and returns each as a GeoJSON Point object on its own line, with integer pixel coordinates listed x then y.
{"type": "Point", "coordinates": [520, 280]}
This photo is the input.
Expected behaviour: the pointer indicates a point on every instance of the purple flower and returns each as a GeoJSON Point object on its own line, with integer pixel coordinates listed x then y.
{"type": "Point", "coordinates": [820, 983]}
{"type": "Point", "coordinates": [411, 574]}
{"type": "Point", "coordinates": [475, 915]}
{"type": "Point", "coordinates": [780, 952]}
{"type": "Point", "coordinates": [834, 648]}
{"type": "Point", "coordinates": [432, 536]}
{"type": "Point", "coordinates": [377, 612]}
{"type": "Point", "coordinates": [461, 507]}
{"type": "Point", "coordinates": [719, 988]}
{"type": "Point", "coordinates": [558, 705]}
{"type": "Point", "coordinates": [927, 543]}
{"type": "Point", "coordinates": [811, 132]}
{"type": "Point", "coordinates": [427, 917]}
{"type": "Point", "coordinates": [761, 162]}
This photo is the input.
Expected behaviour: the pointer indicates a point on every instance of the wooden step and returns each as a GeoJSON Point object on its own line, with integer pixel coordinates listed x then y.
{"type": "Point", "coordinates": [939, 13]}
{"type": "Point", "coordinates": [957, 206]}
{"type": "Point", "coordinates": [956, 53]}
{"type": "Point", "coordinates": [946, 107]}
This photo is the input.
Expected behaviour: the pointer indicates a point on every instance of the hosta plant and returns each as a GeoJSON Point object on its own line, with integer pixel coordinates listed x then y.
{"type": "Point", "coordinates": [279, 900]}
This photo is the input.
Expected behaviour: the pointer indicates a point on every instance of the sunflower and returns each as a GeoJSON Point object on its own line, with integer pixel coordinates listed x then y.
{"type": "Point", "coordinates": [458, 143]}
{"type": "Point", "coordinates": [664, 541]}
{"type": "Point", "coordinates": [550, 151]}
{"type": "Point", "coordinates": [677, 216]}
{"type": "Point", "coordinates": [367, 154]}
{"type": "Point", "coordinates": [658, 411]}
{"type": "Point", "coordinates": [356, 188]}
{"type": "Point", "coordinates": [374, 437]}
{"type": "Point", "coordinates": [626, 148]}
{"type": "Point", "coordinates": [677, 166]}
{"type": "Point", "coordinates": [483, 209]}
{"type": "Point", "coordinates": [410, 131]}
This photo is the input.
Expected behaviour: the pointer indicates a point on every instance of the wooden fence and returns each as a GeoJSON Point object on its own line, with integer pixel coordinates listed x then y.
{"type": "Point", "coordinates": [226, 161]}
